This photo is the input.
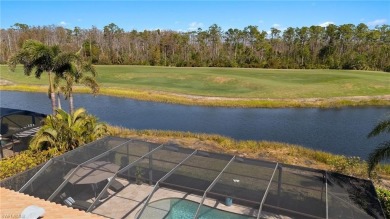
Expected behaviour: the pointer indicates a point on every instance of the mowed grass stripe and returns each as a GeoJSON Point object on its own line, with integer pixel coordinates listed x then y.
{"type": "Point", "coordinates": [233, 82]}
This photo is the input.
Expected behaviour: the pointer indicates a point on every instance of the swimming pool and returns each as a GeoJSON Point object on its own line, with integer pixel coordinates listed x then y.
{"type": "Point", "coordinates": [174, 208]}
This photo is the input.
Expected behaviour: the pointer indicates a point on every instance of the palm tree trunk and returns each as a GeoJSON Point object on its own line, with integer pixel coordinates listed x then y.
{"type": "Point", "coordinates": [52, 94]}
{"type": "Point", "coordinates": [59, 101]}
{"type": "Point", "coordinates": [71, 106]}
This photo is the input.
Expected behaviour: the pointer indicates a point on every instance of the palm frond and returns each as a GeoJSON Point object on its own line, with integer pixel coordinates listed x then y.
{"type": "Point", "coordinates": [38, 72]}
{"type": "Point", "coordinates": [62, 60]}
{"type": "Point", "coordinates": [12, 62]}
{"type": "Point", "coordinates": [381, 127]}
{"type": "Point", "coordinates": [91, 83]}
{"type": "Point", "coordinates": [50, 132]}
{"type": "Point", "coordinates": [100, 130]}
{"type": "Point", "coordinates": [37, 143]}
{"type": "Point", "coordinates": [55, 50]}
{"type": "Point", "coordinates": [79, 113]}
{"type": "Point", "coordinates": [382, 152]}
{"type": "Point", "coordinates": [61, 115]}
{"type": "Point", "coordinates": [68, 87]}
{"type": "Point", "coordinates": [56, 82]}
{"type": "Point", "coordinates": [28, 69]}
{"type": "Point", "coordinates": [88, 67]}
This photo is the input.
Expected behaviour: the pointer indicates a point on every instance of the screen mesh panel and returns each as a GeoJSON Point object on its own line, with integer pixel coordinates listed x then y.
{"type": "Point", "coordinates": [17, 181]}
{"type": "Point", "coordinates": [245, 179]}
{"type": "Point", "coordinates": [91, 150]}
{"type": "Point", "coordinates": [199, 171]}
{"type": "Point", "coordinates": [350, 197]}
{"type": "Point", "coordinates": [49, 179]}
{"type": "Point", "coordinates": [297, 193]}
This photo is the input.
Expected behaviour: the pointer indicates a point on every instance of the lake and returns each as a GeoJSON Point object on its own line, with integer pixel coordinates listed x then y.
{"type": "Point", "coordinates": [340, 131]}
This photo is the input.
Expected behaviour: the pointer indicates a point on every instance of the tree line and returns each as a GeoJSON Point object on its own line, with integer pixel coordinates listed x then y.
{"type": "Point", "coordinates": [346, 46]}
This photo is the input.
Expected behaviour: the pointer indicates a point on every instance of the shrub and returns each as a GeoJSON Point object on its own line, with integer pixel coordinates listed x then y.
{"type": "Point", "coordinates": [63, 132]}
{"type": "Point", "coordinates": [25, 160]}
{"type": "Point", "coordinates": [353, 166]}
{"type": "Point", "coordinates": [384, 198]}
{"type": "Point", "coordinates": [387, 68]}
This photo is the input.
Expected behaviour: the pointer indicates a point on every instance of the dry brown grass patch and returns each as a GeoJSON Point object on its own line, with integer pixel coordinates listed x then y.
{"type": "Point", "coordinates": [221, 80]}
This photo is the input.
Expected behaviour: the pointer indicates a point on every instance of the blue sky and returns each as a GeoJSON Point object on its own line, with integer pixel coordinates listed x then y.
{"type": "Point", "coordinates": [190, 15]}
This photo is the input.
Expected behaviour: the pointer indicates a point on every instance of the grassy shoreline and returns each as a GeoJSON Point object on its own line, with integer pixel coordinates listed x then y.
{"type": "Point", "coordinates": [172, 98]}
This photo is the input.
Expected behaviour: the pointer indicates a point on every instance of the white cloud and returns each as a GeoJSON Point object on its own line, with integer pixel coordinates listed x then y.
{"type": "Point", "coordinates": [79, 20]}
{"type": "Point", "coordinates": [261, 21]}
{"type": "Point", "coordinates": [376, 22]}
{"type": "Point", "coordinates": [63, 23]}
{"type": "Point", "coordinates": [325, 24]}
{"type": "Point", "coordinates": [194, 26]}
{"type": "Point", "coordinates": [277, 26]}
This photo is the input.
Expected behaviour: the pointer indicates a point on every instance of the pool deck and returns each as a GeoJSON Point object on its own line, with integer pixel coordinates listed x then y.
{"type": "Point", "coordinates": [129, 201]}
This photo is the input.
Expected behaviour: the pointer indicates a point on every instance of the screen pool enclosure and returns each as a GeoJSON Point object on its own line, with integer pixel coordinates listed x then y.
{"type": "Point", "coordinates": [267, 188]}
{"type": "Point", "coordinates": [13, 120]}
{"type": "Point", "coordinates": [17, 128]}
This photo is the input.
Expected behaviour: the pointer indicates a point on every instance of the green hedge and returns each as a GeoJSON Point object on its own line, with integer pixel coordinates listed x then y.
{"type": "Point", "coordinates": [384, 198]}
{"type": "Point", "coordinates": [25, 160]}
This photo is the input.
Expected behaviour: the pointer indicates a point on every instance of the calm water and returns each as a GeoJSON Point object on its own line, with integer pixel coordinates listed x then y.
{"type": "Point", "coordinates": [341, 131]}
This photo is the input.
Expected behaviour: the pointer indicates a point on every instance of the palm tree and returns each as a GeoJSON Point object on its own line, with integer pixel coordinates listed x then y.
{"type": "Point", "coordinates": [383, 150]}
{"type": "Point", "coordinates": [36, 56]}
{"type": "Point", "coordinates": [75, 75]}
{"type": "Point", "coordinates": [64, 132]}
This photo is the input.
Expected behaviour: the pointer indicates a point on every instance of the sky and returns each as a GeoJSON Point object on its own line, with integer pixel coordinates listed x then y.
{"type": "Point", "coordinates": [191, 15]}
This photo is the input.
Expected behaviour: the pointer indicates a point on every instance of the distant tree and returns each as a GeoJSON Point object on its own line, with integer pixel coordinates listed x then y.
{"type": "Point", "coordinates": [20, 26]}
{"type": "Point", "coordinates": [275, 33]}
{"type": "Point", "coordinates": [203, 48]}
{"type": "Point", "coordinates": [214, 34]}
{"type": "Point", "coordinates": [232, 39]}
{"type": "Point", "coordinates": [382, 152]}
{"type": "Point", "coordinates": [37, 57]}
{"type": "Point", "coordinates": [361, 32]}
{"type": "Point", "coordinates": [273, 57]}
{"type": "Point", "coordinates": [111, 32]}
{"type": "Point", "coordinates": [91, 51]}
{"type": "Point", "coordinates": [316, 34]}
{"type": "Point", "coordinates": [289, 37]}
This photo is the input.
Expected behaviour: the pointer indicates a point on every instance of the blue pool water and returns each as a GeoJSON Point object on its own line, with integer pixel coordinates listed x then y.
{"type": "Point", "coordinates": [174, 208]}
